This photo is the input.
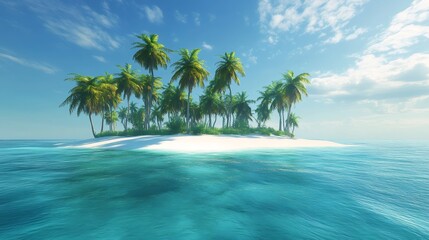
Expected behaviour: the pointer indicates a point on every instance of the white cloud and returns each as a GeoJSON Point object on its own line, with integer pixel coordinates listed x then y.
{"type": "Point", "coordinates": [153, 14]}
{"type": "Point", "coordinates": [380, 77]}
{"type": "Point", "coordinates": [197, 18]}
{"type": "Point", "coordinates": [79, 25]}
{"type": "Point", "coordinates": [180, 17]}
{"type": "Point", "coordinates": [207, 46]}
{"type": "Point", "coordinates": [315, 16]}
{"type": "Point", "coordinates": [406, 29]}
{"type": "Point", "coordinates": [355, 34]}
{"type": "Point", "coordinates": [99, 58]}
{"type": "Point", "coordinates": [413, 104]}
{"type": "Point", "coordinates": [46, 68]}
{"type": "Point", "coordinates": [250, 57]}
{"type": "Point", "coordinates": [106, 20]}
{"type": "Point", "coordinates": [272, 39]}
{"type": "Point", "coordinates": [84, 36]}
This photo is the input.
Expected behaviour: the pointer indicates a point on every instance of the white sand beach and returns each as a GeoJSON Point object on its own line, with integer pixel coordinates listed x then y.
{"type": "Point", "coordinates": [202, 143]}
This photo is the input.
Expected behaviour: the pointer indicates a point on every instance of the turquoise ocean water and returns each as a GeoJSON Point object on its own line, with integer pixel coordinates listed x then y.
{"type": "Point", "coordinates": [376, 190]}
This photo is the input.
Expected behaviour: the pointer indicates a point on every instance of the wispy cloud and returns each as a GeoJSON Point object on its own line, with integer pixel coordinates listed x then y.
{"type": "Point", "coordinates": [197, 20]}
{"type": "Point", "coordinates": [380, 76]}
{"type": "Point", "coordinates": [355, 34]}
{"type": "Point", "coordinates": [153, 14]}
{"type": "Point", "coordinates": [84, 36]}
{"type": "Point", "coordinates": [207, 46]}
{"type": "Point", "coordinates": [99, 58]}
{"type": "Point", "coordinates": [46, 68]}
{"type": "Point", "coordinates": [314, 16]}
{"type": "Point", "coordinates": [180, 16]}
{"type": "Point", "coordinates": [406, 29]}
{"type": "Point", "coordinates": [250, 57]}
{"type": "Point", "coordinates": [80, 25]}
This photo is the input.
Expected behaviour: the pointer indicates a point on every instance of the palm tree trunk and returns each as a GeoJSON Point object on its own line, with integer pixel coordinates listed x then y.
{"type": "Point", "coordinates": [210, 119]}
{"type": "Point", "coordinates": [152, 82]}
{"type": "Point", "coordinates": [284, 122]}
{"type": "Point", "coordinates": [92, 126]}
{"type": "Point", "coordinates": [147, 114]}
{"type": "Point", "coordinates": [187, 110]}
{"type": "Point", "coordinates": [280, 119]}
{"type": "Point", "coordinates": [102, 121]}
{"type": "Point", "coordinates": [147, 117]}
{"type": "Point", "coordinates": [111, 119]}
{"type": "Point", "coordinates": [229, 107]}
{"type": "Point", "coordinates": [128, 113]}
{"type": "Point", "coordinates": [214, 122]}
{"type": "Point", "coordinates": [293, 129]}
{"type": "Point", "coordinates": [288, 117]}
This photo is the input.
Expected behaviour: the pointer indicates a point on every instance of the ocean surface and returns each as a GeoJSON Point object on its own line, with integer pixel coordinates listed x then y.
{"type": "Point", "coordinates": [377, 190]}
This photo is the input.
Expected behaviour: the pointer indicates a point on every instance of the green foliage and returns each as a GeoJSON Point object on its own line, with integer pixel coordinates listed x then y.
{"type": "Point", "coordinates": [190, 71]}
{"type": "Point", "coordinates": [100, 96]}
{"type": "Point", "coordinates": [228, 69]}
{"type": "Point", "coordinates": [269, 131]}
{"type": "Point", "coordinates": [242, 110]}
{"type": "Point", "coordinates": [176, 125]}
{"type": "Point", "coordinates": [151, 54]}
{"type": "Point", "coordinates": [211, 131]}
{"type": "Point", "coordinates": [173, 100]}
{"type": "Point", "coordinates": [198, 129]}
{"type": "Point", "coordinates": [110, 133]}
{"type": "Point", "coordinates": [134, 132]}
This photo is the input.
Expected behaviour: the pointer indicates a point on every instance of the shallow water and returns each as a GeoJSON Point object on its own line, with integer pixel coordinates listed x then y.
{"type": "Point", "coordinates": [376, 190]}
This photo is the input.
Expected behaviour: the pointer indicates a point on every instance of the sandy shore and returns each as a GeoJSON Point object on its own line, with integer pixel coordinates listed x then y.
{"type": "Point", "coordinates": [203, 143]}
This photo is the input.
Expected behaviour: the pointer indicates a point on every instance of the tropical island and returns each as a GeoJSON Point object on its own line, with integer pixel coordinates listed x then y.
{"type": "Point", "coordinates": [171, 109]}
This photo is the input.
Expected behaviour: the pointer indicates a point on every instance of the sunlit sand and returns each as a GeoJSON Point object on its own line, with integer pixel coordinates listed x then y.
{"type": "Point", "coordinates": [203, 143]}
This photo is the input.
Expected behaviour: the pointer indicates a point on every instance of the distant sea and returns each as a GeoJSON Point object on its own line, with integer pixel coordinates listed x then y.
{"type": "Point", "coordinates": [376, 190]}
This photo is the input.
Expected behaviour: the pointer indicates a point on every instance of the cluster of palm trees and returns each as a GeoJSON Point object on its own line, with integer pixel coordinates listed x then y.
{"type": "Point", "coordinates": [281, 96]}
{"type": "Point", "coordinates": [101, 95]}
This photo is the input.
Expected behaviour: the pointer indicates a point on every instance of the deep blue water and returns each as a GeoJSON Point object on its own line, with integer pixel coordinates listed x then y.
{"type": "Point", "coordinates": [370, 191]}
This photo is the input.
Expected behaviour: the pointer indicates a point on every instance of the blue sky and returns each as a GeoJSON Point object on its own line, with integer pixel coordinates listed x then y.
{"type": "Point", "coordinates": [368, 60]}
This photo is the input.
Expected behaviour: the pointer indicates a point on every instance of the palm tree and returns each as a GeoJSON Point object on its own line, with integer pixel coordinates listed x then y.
{"type": "Point", "coordinates": [278, 100]}
{"type": "Point", "coordinates": [150, 55]}
{"type": "Point", "coordinates": [127, 85]}
{"type": "Point", "coordinates": [263, 110]}
{"type": "Point", "coordinates": [262, 114]}
{"type": "Point", "coordinates": [293, 121]}
{"type": "Point", "coordinates": [195, 112]}
{"type": "Point", "coordinates": [210, 103]}
{"type": "Point", "coordinates": [135, 117]}
{"type": "Point", "coordinates": [123, 115]}
{"type": "Point", "coordinates": [111, 119]}
{"type": "Point", "coordinates": [85, 97]}
{"type": "Point", "coordinates": [110, 98]}
{"type": "Point", "coordinates": [294, 88]}
{"type": "Point", "coordinates": [157, 116]}
{"type": "Point", "coordinates": [173, 100]}
{"type": "Point", "coordinates": [228, 69]}
{"type": "Point", "coordinates": [242, 109]}
{"type": "Point", "coordinates": [149, 92]}
{"type": "Point", "coordinates": [190, 71]}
